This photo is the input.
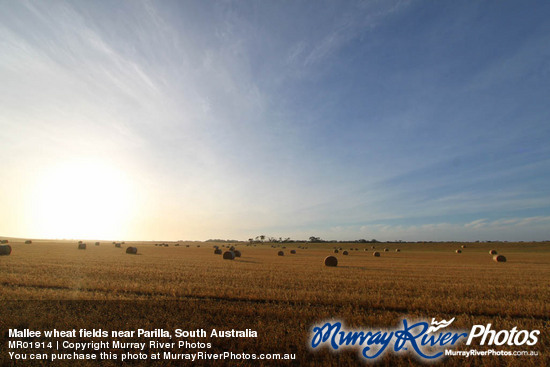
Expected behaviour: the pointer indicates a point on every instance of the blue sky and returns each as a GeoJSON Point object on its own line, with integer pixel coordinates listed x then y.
{"type": "Point", "coordinates": [410, 120]}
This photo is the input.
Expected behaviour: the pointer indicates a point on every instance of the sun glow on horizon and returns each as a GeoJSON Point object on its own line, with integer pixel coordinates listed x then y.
{"type": "Point", "coordinates": [82, 199]}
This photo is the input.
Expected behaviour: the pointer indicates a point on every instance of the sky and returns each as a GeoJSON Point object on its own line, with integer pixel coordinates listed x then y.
{"type": "Point", "coordinates": [168, 120]}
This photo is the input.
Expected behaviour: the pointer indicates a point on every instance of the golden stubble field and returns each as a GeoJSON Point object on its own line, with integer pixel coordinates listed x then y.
{"type": "Point", "coordinates": [47, 285]}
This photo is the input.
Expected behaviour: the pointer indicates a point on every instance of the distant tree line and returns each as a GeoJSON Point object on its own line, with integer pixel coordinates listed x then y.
{"type": "Point", "coordinates": [220, 240]}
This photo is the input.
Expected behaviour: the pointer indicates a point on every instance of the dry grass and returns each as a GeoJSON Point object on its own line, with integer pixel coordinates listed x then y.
{"type": "Point", "coordinates": [292, 293]}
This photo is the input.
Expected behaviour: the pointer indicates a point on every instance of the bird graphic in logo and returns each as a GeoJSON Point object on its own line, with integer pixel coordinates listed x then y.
{"type": "Point", "coordinates": [439, 325]}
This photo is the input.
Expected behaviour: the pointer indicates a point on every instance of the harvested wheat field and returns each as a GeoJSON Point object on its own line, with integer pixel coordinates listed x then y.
{"type": "Point", "coordinates": [54, 285]}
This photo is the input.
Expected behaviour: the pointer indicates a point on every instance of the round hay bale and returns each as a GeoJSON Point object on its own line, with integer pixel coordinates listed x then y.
{"type": "Point", "coordinates": [232, 248]}
{"type": "Point", "coordinates": [331, 260]}
{"type": "Point", "coordinates": [463, 246]}
{"type": "Point", "coordinates": [366, 249]}
{"type": "Point", "coordinates": [386, 249]}
{"type": "Point", "coordinates": [292, 251]}
{"type": "Point", "coordinates": [131, 250]}
{"type": "Point", "coordinates": [82, 246]}
{"type": "Point", "coordinates": [97, 243]}
{"type": "Point", "coordinates": [218, 251]}
{"type": "Point", "coordinates": [499, 258]}
{"type": "Point", "coordinates": [237, 253]}
{"type": "Point", "coordinates": [345, 253]}
{"type": "Point", "coordinates": [458, 251]}
{"type": "Point", "coordinates": [229, 255]}
{"type": "Point", "coordinates": [280, 253]}
{"type": "Point", "coordinates": [339, 248]}
{"type": "Point", "coordinates": [335, 251]}
{"type": "Point", "coordinates": [397, 250]}
{"type": "Point", "coordinates": [118, 245]}
{"type": "Point", "coordinates": [376, 254]}
{"type": "Point", "coordinates": [5, 250]}
{"type": "Point", "coordinates": [4, 241]}
{"type": "Point", "coordinates": [186, 245]}
{"type": "Point", "coordinates": [493, 252]}
{"type": "Point", "coordinates": [28, 242]}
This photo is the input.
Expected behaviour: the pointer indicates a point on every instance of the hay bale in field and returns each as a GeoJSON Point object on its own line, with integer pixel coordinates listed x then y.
{"type": "Point", "coordinates": [82, 246]}
{"type": "Point", "coordinates": [335, 251]}
{"type": "Point", "coordinates": [117, 244]}
{"type": "Point", "coordinates": [458, 251]}
{"type": "Point", "coordinates": [237, 253]}
{"type": "Point", "coordinates": [345, 253]}
{"type": "Point", "coordinates": [372, 247]}
{"type": "Point", "coordinates": [463, 246]}
{"type": "Point", "coordinates": [28, 242]}
{"type": "Point", "coordinates": [292, 251]}
{"type": "Point", "coordinates": [339, 248]}
{"type": "Point", "coordinates": [198, 245]}
{"type": "Point", "coordinates": [186, 245]}
{"type": "Point", "coordinates": [177, 244]}
{"type": "Point", "coordinates": [232, 248]}
{"type": "Point", "coordinates": [280, 253]}
{"type": "Point", "coordinates": [499, 258]}
{"type": "Point", "coordinates": [386, 249]}
{"type": "Point", "coordinates": [5, 250]}
{"type": "Point", "coordinates": [218, 251]}
{"type": "Point", "coordinates": [131, 250]}
{"type": "Point", "coordinates": [4, 241]}
{"type": "Point", "coordinates": [79, 242]}
{"type": "Point", "coordinates": [376, 254]}
{"type": "Point", "coordinates": [493, 252]}
{"type": "Point", "coordinates": [97, 243]}
{"type": "Point", "coordinates": [331, 260]}
{"type": "Point", "coordinates": [229, 255]}
{"type": "Point", "coordinates": [397, 250]}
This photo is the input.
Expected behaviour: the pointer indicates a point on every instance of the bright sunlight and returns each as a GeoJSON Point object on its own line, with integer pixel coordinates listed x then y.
{"type": "Point", "coordinates": [82, 199]}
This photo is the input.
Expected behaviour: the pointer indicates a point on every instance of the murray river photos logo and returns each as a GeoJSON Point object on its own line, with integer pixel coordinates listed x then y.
{"type": "Point", "coordinates": [427, 341]}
